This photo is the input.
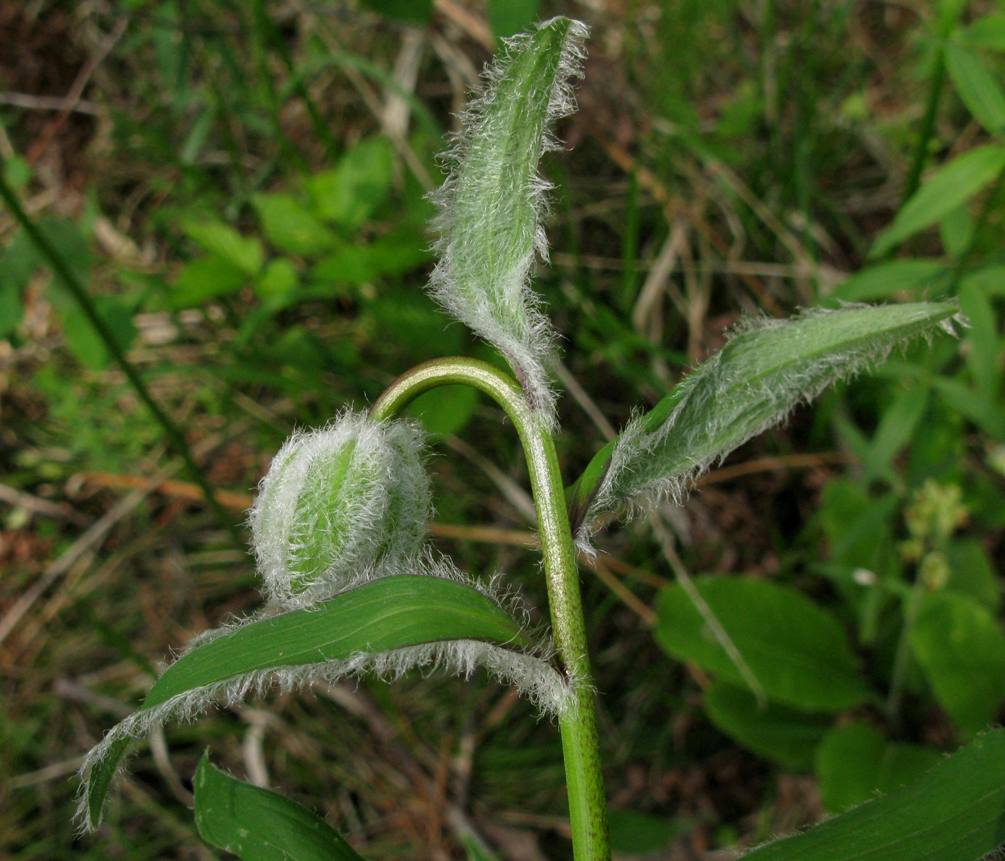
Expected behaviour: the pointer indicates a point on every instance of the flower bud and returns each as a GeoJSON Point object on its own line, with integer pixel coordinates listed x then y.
{"type": "Point", "coordinates": [334, 502]}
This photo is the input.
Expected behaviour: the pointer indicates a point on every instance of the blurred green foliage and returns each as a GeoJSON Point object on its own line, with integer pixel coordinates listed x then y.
{"type": "Point", "coordinates": [808, 154]}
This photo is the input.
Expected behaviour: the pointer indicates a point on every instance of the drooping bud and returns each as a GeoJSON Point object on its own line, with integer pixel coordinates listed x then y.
{"type": "Point", "coordinates": [335, 501]}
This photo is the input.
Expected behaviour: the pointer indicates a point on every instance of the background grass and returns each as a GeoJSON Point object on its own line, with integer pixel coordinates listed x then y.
{"type": "Point", "coordinates": [241, 189]}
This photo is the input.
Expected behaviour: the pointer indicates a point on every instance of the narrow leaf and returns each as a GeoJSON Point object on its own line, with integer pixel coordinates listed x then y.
{"type": "Point", "coordinates": [388, 625]}
{"type": "Point", "coordinates": [956, 812]}
{"type": "Point", "coordinates": [258, 825]}
{"type": "Point", "coordinates": [796, 649]}
{"type": "Point", "coordinates": [765, 370]}
{"type": "Point", "coordinates": [977, 87]}
{"type": "Point", "coordinates": [954, 184]}
{"type": "Point", "coordinates": [491, 205]}
{"type": "Point", "coordinates": [885, 280]}
{"type": "Point", "coordinates": [988, 31]}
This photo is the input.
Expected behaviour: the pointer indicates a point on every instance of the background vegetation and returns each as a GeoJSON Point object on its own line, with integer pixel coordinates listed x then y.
{"type": "Point", "coordinates": [241, 189]}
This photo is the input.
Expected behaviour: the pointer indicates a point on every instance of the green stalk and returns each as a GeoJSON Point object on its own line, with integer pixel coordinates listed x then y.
{"type": "Point", "coordinates": [83, 298]}
{"type": "Point", "coordinates": [578, 726]}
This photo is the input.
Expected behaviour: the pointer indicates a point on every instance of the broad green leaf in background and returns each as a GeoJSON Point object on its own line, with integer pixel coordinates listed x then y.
{"type": "Point", "coordinates": [507, 17]}
{"type": "Point", "coordinates": [242, 252]}
{"type": "Point", "coordinates": [489, 220]}
{"type": "Point", "coordinates": [390, 613]}
{"type": "Point", "coordinates": [971, 573]}
{"type": "Point", "coordinates": [291, 227]}
{"type": "Point", "coordinates": [765, 370]}
{"type": "Point", "coordinates": [783, 735]}
{"type": "Point", "coordinates": [960, 647]}
{"type": "Point", "coordinates": [977, 87]}
{"type": "Point", "coordinates": [353, 190]}
{"type": "Point", "coordinates": [796, 649]}
{"type": "Point", "coordinates": [203, 279]}
{"type": "Point", "coordinates": [637, 833]}
{"type": "Point", "coordinates": [258, 825]}
{"type": "Point", "coordinates": [956, 812]}
{"type": "Point", "coordinates": [855, 762]}
{"type": "Point", "coordinates": [887, 279]}
{"type": "Point", "coordinates": [952, 185]}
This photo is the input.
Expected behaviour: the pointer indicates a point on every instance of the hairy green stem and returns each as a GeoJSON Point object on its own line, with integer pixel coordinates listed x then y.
{"type": "Point", "coordinates": [584, 781]}
{"type": "Point", "coordinates": [83, 298]}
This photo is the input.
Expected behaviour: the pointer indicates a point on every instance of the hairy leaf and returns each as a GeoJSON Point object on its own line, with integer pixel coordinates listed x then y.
{"type": "Point", "coordinates": [258, 825]}
{"type": "Point", "coordinates": [387, 625]}
{"type": "Point", "coordinates": [956, 812]}
{"type": "Point", "coordinates": [766, 369]}
{"type": "Point", "coordinates": [491, 205]}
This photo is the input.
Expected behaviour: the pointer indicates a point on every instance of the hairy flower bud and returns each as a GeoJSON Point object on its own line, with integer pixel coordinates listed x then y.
{"type": "Point", "coordinates": [335, 501]}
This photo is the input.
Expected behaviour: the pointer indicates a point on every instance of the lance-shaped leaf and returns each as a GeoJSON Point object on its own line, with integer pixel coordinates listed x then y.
{"type": "Point", "coordinates": [387, 625]}
{"type": "Point", "coordinates": [765, 370]}
{"type": "Point", "coordinates": [492, 203]}
{"type": "Point", "coordinates": [258, 825]}
{"type": "Point", "coordinates": [956, 812]}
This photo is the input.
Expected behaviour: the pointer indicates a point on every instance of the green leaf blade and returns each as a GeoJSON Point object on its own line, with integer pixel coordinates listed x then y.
{"type": "Point", "coordinates": [490, 206]}
{"type": "Point", "coordinates": [390, 613]}
{"type": "Point", "coordinates": [393, 624]}
{"type": "Point", "coordinates": [765, 370]}
{"type": "Point", "coordinates": [797, 651]}
{"type": "Point", "coordinates": [855, 762]}
{"type": "Point", "coordinates": [961, 649]}
{"type": "Point", "coordinates": [977, 87]}
{"type": "Point", "coordinates": [953, 185]}
{"type": "Point", "coordinates": [780, 734]}
{"type": "Point", "coordinates": [258, 825]}
{"type": "Point", "coordinates": [955, 813]}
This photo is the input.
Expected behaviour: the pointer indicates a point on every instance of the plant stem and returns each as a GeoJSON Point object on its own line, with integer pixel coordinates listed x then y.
{"type": "Point", "coordinates": [584, 781]}
{"type": "Point", "coordinates": [79, 292]}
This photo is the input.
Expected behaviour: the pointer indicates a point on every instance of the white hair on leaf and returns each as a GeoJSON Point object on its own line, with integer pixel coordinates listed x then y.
{"type": "Point", "coordinates": [530, 671]}
{"type": "Point", "coordinates": [650, 468]}
{"type": "Point", "coordinates": [492, 204]}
